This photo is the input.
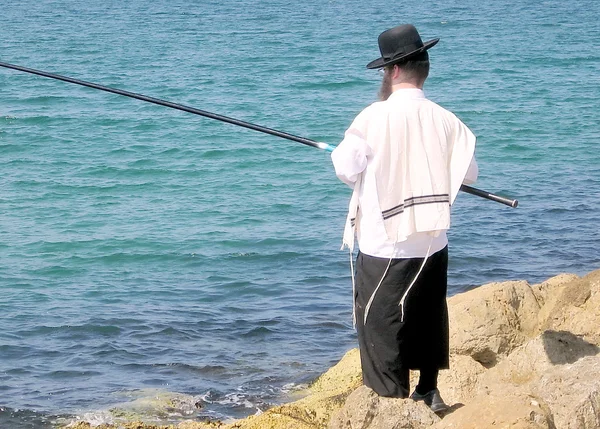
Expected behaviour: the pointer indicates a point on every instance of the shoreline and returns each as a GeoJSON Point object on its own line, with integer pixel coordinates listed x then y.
{"type": "Point", "coordinates": [509, 341]}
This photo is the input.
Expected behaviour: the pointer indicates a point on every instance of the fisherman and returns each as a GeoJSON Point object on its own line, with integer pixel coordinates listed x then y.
{"type": "Point", "coordinates": [406, 158]}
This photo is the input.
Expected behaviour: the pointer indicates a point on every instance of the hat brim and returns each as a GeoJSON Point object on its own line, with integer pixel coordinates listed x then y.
{"type": "Point", "coordinates": [381, 62]}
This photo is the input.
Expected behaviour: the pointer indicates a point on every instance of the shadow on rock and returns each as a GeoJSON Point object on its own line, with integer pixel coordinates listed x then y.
{"type": "Point", "coordinates": [563, 347]}
{"type": "Point", "coordinates": [450, 410]}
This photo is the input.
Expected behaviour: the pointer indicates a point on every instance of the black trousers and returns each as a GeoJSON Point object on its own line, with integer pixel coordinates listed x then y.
{"type": "Point", "coordinates": [390, 347]}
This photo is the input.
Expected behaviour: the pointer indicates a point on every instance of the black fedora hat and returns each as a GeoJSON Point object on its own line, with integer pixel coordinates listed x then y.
{"type": "Point", "coordinates": [400, 43]}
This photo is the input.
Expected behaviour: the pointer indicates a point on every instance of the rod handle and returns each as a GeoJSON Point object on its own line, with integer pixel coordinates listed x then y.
{"type": "Point", "coordinates": [484, 194]}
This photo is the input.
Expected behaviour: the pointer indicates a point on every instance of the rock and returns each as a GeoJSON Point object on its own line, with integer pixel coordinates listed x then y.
{"type": "Point", "coordinates": [545, 291]}
{"type": "Point", "coordinates": [199, 425]}
{"type": "Point", "coordinates": [146, 409]}
{"type": "Point", "coordinates": [531, 360]}
{"type": "Point", "coordinates": [271, 420]}
{"type": "Point", "coordinates": [554, 370]}
{"type": "Point", "coordinates": [346, 374]}
{"type": "Point", "coordinates": [312, 412]}
{"type": "Point", "coordinates": [575, 308]}
{"type": "Point", "coordinates": [573, 393]}
{"type": "Point", "coordinates": [517, 411]}
{"type": "Point", "coordinates": [153, 405]}
{"type": "Point", "coordinates": [489, 322]}
{"type": "Point", "coordinates": [457, 385]}
{"type": "Point", "coordinates": [365, 409]}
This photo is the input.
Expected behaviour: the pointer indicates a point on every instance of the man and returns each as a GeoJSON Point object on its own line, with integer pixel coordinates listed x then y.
{"type": "Point", "coordinates": [405, 157]}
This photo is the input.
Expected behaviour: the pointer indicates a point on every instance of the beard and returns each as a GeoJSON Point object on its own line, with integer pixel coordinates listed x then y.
{"type": "Point", "coordinates": [386, 86]}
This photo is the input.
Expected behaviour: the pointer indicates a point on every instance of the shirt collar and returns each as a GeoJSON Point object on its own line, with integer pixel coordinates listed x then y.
{"type": "Point", "coordinates": [408, 93]}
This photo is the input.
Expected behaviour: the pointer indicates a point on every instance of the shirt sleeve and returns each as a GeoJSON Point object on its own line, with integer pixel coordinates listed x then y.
{"type": "Point", "coordinates": [350, 157]}
{"type": "Point", "coordinates": [463, 167]}
{"type": "Point", "coordinates": [472, 172]}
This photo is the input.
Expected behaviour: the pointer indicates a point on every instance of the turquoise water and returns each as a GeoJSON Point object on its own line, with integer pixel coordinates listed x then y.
{"type": "Point", "coordinates": [147, 250]}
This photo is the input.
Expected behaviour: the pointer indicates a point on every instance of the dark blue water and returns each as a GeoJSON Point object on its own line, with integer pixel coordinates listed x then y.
{"type": "Point", "coordinates": [148, 252]}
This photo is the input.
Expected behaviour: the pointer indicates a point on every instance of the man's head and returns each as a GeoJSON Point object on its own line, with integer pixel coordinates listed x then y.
{"type": "Point", "coordinates": [411, 72]}
{"type": "Point", "coordinates": [404, 58]}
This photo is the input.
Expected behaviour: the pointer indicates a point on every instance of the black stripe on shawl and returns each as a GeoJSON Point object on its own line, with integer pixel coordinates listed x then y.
{"type": "Point", "coordinates": [415, 201]}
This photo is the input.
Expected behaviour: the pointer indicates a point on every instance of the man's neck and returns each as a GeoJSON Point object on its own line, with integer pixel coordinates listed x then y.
{"type": "Point", "coordinates": [405, 85]}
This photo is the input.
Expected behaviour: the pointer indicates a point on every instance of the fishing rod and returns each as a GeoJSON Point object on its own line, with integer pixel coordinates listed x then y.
{"type": "Point", "coordinates": [233, 121]}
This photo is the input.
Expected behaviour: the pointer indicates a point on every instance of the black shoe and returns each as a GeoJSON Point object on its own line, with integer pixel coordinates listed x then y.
{"type": "Point", "coordinates": [432, 399]}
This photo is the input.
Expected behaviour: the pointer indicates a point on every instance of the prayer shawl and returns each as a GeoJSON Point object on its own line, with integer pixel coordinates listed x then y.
{"type": "Point", "coordinates": [419, 155]}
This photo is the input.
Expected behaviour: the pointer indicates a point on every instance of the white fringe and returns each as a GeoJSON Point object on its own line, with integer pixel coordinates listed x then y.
{"type": "Point", "coordinates": [403, 299]}
{"type": "Point", "coordinates": [368, 307]}
{"type": "Point", "coordinates": [353, 292]}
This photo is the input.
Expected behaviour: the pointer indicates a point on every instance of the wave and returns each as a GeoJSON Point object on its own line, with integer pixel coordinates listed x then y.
{"type": "Point", "coordinates": [25, 419]}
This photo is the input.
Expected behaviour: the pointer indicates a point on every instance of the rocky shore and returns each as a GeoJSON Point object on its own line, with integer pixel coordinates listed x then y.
{"type": "Point", "coordinates": [522, 357]}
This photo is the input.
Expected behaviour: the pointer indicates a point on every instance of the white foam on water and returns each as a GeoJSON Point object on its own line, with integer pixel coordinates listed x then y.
{"type": "Point", "coordinates": [293, 387]}
{"type": "Point", "coordinates": [238, 399]}
{"type": "Point", "coordinates": [94, 418]}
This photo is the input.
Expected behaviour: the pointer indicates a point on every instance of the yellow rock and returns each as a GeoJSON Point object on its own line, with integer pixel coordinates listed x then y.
{"type": "Point", "coordinates": [575, 308]}
{"type": "Point", "coordinates": [499, 412]}
{"type": "Point", "coordinates": [489, 322]}
{"type": "Point", "coordinates": [346, 374]}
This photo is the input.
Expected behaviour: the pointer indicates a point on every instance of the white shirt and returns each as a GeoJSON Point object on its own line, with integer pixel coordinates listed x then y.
{"type": "Point", "coordinates": [406, 115]}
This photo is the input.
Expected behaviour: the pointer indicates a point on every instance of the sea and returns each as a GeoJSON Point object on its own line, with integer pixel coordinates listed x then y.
{"type": "Point", "coordinates": [164, 266]}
